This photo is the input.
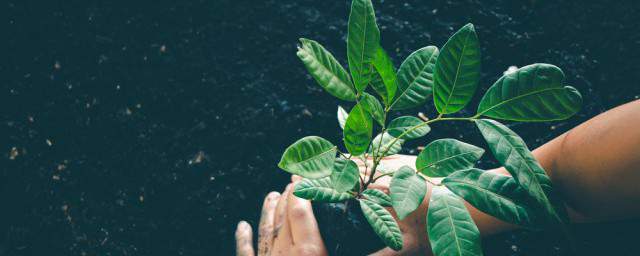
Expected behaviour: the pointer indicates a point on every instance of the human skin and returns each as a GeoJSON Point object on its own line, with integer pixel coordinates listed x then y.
{"type": "Point", "coordinates": [595, 167]}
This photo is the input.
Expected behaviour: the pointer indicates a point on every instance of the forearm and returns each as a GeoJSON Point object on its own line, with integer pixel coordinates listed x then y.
{"type": "Point", "coordinates": [594, 167]}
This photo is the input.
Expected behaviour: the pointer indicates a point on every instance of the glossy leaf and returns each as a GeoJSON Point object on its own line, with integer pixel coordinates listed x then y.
{"type": "Point", "coordinates": [382, 223]}
{"type": "Point", "coordinates": [320, 190]}
{"type": "Point", "coordinates": [497, 195]}
{"type": "Point", "coordinates": [511, 151]}
{"type": "Point", "coordinates": [457, 71]}
{"type": "Point", "coordinates": [378, 197]}
{"type": "Point", "coordinates": [413, 126]}
{"type": "Point", "coordinates": [358, 130]}
{"type": "Point", "coordinates": [384, 81]}
{"type": "Point", "coordinates": [386, 146]}
{"type": "Point", "coordinates": [444, 156]}
{"type": "Point", "coordinates": [532, 93]}
{"type": "Point", "coordinates": [362, 42]}
{"type": "Point", "coordinates": [309, 157]}
{"type": "Point", "coordinates": [407, 191]}
{"type": "Point", "coordinates": [345, 175]}
{"type": "Point", "coordinates": [373, 106]}
{"type": "Point", "coordinates": [450, 227]}
{"type": "Point", "coordinates": [415, 78]}
{"type": "Point", "coordinates": [326, 70]}
{"type": "Point", "coordinates": [342, 117]}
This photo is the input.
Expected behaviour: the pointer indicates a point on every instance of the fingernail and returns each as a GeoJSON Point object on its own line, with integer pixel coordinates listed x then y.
{"type": "Point", "coordinates": [243, 225]}
{"type": "Point", "coordinates": [273, 195]}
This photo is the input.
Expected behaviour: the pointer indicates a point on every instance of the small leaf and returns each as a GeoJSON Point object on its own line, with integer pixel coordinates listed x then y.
{"type": "Point", "coordinates": [326, 70]}
{"type": "Point", "coordinates": [362, 42]}
{"type": "Point", "coordinates": [450, 227]}
{"type": "Point", "coordinates": [407, 191]}
{"type": "Point", "coordinates": [373, 106]}
{"type": "Point", "coordinates": [320, 190]}
{"type": "Point", "coordinates": [345, 175]}
{"type": "Point", "coordinates": [497, 195]}
{"type": "Point", "coordinates": [415, 78]}
{"type": "Point", "coordinates": [378, 197]}
{"type": "Point", "coordinates": [309, 157]}
{"type": "Point", "coordinates": [386, 146]}
{"type": "Point", "coordinates": [384, 80]}
{"type": "Point", "coordinates": [342, 117]}
{"type": "Point", "coordinates": [444, 156]}
{"type": "Point", "coordinates": [457, 71]}
{"type": "Point", "coordinates": [382, 223]}
{"type": "Point", "coordinates": [532, 93]}
{"type": "Point", "coordinates": [413, 126]}
{"type": "Point", "coordinates": [511, 151]}
{"type": "Point", "coordinates": [358, 130]}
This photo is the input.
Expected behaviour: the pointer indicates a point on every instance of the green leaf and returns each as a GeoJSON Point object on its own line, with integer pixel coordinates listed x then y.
{"type": "Point", "coordinates": [407, 191]}
{"type": "Point", "coordinates": [362, 42]}
{"type": "Point", "coordinates": [511, 151]}
{"type": "Point", "coordinates": [497, 195]}
{"type": "Point", "coordinates": [414, 127]}
{"type": "Point", "coordinates": [373, 106]}
{"type": "Point", "coordinates": [382, 223]}
{"type": "Point", "coordinates": [326, 70]}
{"type": "Point", "coordinates": [320, 190]}
{"type": "Point", "coordinates": [345, 175]}
{"type": "Point", "coordinates": [532, 93]}
{"type": "Point", "coordinates": [309, 157]}
{"type": "Point", "coordinates": [384, 80]}
{"type": "Point", "coordinates": [457, 71]}
{"type": "Point", "coordinates": [444, 156]}
{"type": "Point", "coordinates": [450, 227]}
{"type": "Point", "coordinates": [415, 78]}
{"type": "Point", "coordinates": [342, 117]}
{"type": "Point", "coordinates": [378, 197]}
{"type": "Point", "coordinates": [386, 146]}
{"type": "Point", "coordinates": [358, 130]}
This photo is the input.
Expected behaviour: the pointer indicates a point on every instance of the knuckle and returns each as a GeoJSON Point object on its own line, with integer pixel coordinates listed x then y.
{"type": "Point", "coordinates": [298, 212]}
{"type": "Point", "coordinates": [266, 229]}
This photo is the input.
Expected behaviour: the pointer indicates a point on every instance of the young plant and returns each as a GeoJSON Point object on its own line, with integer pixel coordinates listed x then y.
{"type": "Point", "coordinates": [533, 93]}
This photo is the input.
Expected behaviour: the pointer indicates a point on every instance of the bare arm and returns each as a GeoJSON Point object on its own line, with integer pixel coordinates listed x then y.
{"type": "Point", "coordinates": [595, 166]}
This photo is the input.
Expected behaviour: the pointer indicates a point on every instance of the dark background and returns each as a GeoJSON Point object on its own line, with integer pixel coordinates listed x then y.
{"type": "Point", "coordinates": [153, 127]}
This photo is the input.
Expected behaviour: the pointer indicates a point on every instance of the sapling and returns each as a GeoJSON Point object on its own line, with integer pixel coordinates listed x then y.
{"type": "Point", "coordinates": [449, 76]}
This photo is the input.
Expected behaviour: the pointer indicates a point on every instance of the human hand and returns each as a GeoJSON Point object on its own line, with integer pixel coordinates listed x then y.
{"type": "Point", "coordinates": [287, 227]}
{"type": "Point", "coordinates": [413, 227]}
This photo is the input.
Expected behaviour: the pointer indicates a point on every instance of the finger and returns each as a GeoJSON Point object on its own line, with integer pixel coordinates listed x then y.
{"type": "Point", "coordinates": [295, 178]}
{"type": "Point", "coordinates": [281, 209]}
{"type": "Point", "coordinates": [282, 242]}
{"type": "Point", "coordinates": [304, 228]}
{"type": "Point", "coordinates": [244, 239]}
{"type": "Point", "coordinates": [267, 219]}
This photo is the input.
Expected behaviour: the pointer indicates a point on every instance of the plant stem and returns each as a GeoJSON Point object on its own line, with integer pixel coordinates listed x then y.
{"type": "Point", "coordinates": [428, 179]}
{"type": "Point", "coordinates": [376, 153]}
{"type": "Point", "coordinates": [439, 118]}
{"type": "Point", "coordinates": [386, 174]}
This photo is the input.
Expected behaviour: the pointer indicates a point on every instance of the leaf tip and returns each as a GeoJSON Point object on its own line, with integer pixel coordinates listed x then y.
{"type": "Point", "coordinates": [470, 27]}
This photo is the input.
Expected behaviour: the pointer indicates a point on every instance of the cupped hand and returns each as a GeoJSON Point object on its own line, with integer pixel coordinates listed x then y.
{"type": "Point", "coordinates": [287, 227]}
{"type": "Point", "coordinates": [413, 227]}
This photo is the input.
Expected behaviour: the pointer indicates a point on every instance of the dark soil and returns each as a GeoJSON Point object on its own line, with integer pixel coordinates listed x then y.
{"type": "Point", "coordinates": [153, 127]}
{"type": "Point", "coordinates": [342, 225]}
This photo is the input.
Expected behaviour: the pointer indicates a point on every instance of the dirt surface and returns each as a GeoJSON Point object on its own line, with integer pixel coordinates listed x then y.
{"type": "Point", "coordinates": [153, 127]}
